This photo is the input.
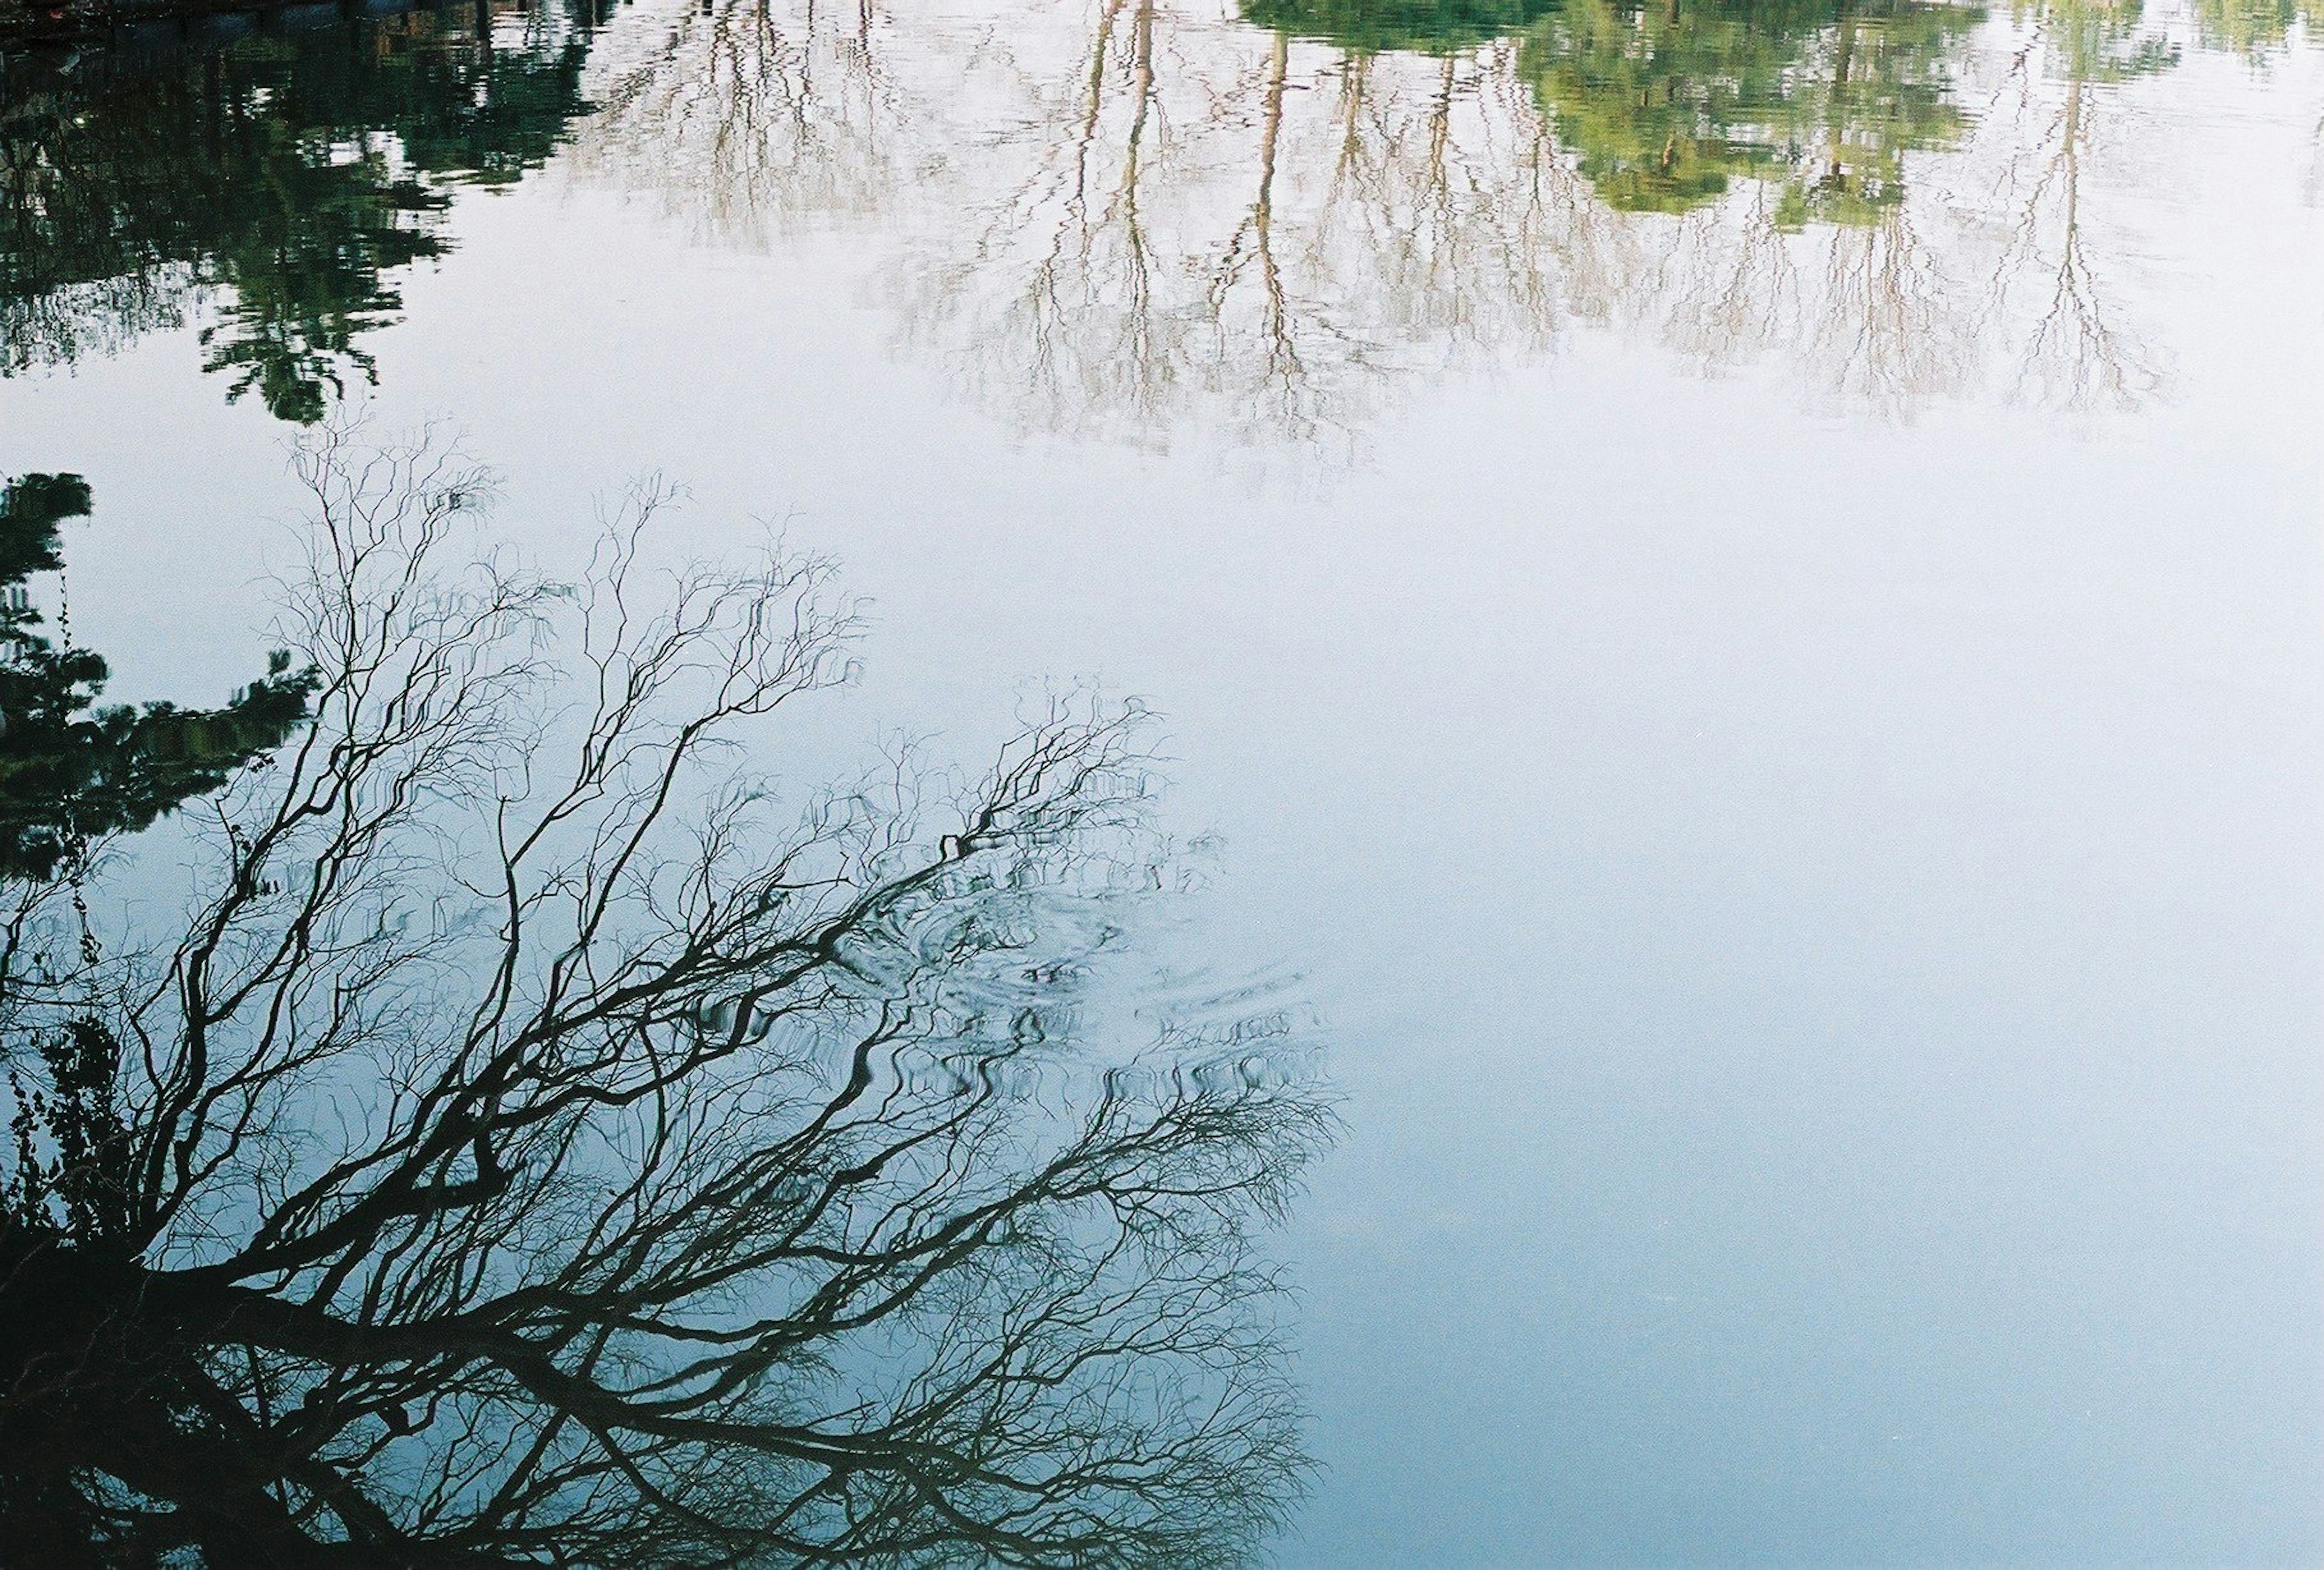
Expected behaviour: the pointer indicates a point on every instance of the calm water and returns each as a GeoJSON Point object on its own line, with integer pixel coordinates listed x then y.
{"type": "Point", "coordinates": [1737, 592]}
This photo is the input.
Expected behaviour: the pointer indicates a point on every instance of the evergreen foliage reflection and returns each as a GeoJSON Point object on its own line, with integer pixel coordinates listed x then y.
{"type": "Point", "coordinates": [288, 177]}
{"type": "Point", "coordinates": [69, 770]}
{"type": "Point", "coordinates": [1424, 26]}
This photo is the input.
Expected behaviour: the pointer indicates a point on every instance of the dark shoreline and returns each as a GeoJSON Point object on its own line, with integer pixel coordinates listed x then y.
{"type": "Point", "coordinates": [163, 24]}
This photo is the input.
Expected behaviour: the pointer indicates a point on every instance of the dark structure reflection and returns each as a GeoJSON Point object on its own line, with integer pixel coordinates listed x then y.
{"type": "Point", "coordinates": [534, 1149]}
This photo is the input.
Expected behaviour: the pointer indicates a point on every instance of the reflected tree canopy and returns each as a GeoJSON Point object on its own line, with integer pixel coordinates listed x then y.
{"type": "Point", "coordinates": [1665, 106]}
{"type": "Point", "coordinates": [2255, 29]}
{"type": "Point", "coordinates": [2100, 42]}
{"type": "Point", "coordinates": [273, 187]}
{"type": "Point", "coordinates": [71, 771]}
{"type": "Point", "coordinates": [539, 1145]}
{"type": "Point", "coordinates": [1370, 26]}
{"type": "Point", "coordinates": [1125, 219]}
{"type": "Point", "coordinates": [1133, 220]}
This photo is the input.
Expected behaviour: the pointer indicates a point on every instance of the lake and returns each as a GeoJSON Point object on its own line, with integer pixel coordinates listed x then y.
{"type": "Point", "coordinates": [1734, 591]}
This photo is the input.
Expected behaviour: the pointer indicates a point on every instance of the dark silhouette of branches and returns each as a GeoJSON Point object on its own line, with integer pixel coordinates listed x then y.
{"type": "Point", "coordinates": [537, 1148]}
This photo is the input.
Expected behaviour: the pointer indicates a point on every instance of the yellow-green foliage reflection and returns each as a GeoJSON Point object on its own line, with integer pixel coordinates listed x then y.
{"type": "Point", "coordinates": [1666, 106]}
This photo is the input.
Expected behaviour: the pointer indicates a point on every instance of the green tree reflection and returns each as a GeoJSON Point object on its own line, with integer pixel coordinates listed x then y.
{"type": "Point", "coordinates": [71, 771]}
{"type": "Point", "coordinates": [287, 177]}
{"type": "Point", "coordinates": [1374, 26]}
{"type": "Point", "coordinates": [2099, 43]}
{"type": "Point", "coordinates": [2254, 29]}
{"type": "Point", "coordinates": [1666, 106]}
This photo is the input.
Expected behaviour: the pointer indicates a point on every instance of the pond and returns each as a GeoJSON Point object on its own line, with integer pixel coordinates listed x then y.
{"type": "Point", "coordinates": [1724, 605]}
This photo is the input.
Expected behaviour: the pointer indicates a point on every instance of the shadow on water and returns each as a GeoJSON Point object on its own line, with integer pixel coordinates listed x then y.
{"type": "Point", "coordinates": [269, 185]}
{"type": "Point", "coordinates": [534, 1145]}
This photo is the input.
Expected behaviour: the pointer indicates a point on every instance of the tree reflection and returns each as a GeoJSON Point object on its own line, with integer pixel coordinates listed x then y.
{"type": "Point", "coordinates": [1133, 222]}
{"type": "Point", "coordinates": [1666, 106]}
{"type": "Point", "coordinates": [536, 1149]}
{"type": "Point", "coordinates": [1265, 230]}
{"type": "Point", "coordinates": [2076, 351]}
{"type": "Point", "coordinates": [70, 771]}
{"type": "Point", "coordinates": [1458, 201]}
{"type": "Point", "coordinates": [1372, 26]}
{"type": "Point", "coordinates": [758, 119]}
{"type": "Point", "coordinates": [285, 178]}
{"type": "Point", "coordinates": [2255, 29]}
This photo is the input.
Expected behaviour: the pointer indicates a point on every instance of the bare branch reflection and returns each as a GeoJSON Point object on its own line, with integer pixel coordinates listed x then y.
{"type": "Point", "coordinates": [1130, 221]}
{"type": "Point", "coordinates": [1143, 222]}
{"type": "Point", "coordinates": [753, 118]}
{"type": "Point", "coordinates": [537, 1148]}
{"type": "Point", "coordinates": [1272, 236]}
{"type": "Point", "coordinates": [2077, 347]}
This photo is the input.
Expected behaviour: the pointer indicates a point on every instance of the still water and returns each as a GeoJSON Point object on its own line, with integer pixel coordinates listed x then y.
{"type": "Point", "coordinates": [1736, 590]}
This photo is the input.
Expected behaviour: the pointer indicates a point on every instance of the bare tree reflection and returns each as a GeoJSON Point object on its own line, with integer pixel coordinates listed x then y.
{"type": "Point", "coordinates": [1084, 311]}
{"type": "Point", "coordinates": [534, 1149]}
{"type": "Point", "coordinates": [2076, 350]}
{"type": "Point", "coordinates": [752, 118]}
{"type": "Point", "coordinates": [1273, 236]}
{"type": "Point", "coordinates": [1132, 221]}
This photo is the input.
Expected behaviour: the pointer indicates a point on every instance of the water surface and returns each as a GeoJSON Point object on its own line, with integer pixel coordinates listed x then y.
{"type": "Point", "coordinates": [1740, 584]}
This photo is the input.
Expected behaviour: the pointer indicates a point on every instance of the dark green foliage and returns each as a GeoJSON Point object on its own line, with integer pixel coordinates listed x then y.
{"type": "Point", "coordinates": [285, 178]}
{"type": "Point", "coordinates": [1373, 26]}
{"type": "Point", "coordinates": [31, 508]}
{"type": "Point", "coordinates": [71, 1178]}
{"type": "Point", "coordinates": [69, 770]}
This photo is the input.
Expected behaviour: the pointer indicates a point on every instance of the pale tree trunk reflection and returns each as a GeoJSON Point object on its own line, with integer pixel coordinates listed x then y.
{"type": "Point", "coordinates": [1293, 225]}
